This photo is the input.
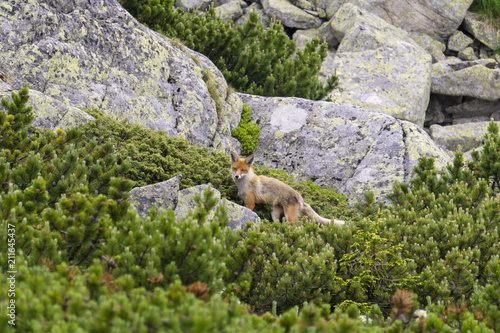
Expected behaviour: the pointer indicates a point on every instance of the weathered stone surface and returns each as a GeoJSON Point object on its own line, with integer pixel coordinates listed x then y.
{"type": "Point", "coordinates": [467, 120]}
{"type": "Point", "coordinates": [379, 66]}
{"type": "Point", "coordinates": [290, 15]}
{"type": "Point", "coordinates": [483, 31]}
{"type": "Point", "coordinates": [479, 78]}
{"type": "Point", "coordinates": [255, 7]}
{"type": "Point", "coordinates": [160, 195]}
{"type": "Point", "coordinates": [238, 215]}
{"type": "Point", "coordinates": [459, 41]}
{"type": "Point", "coordinates": [302, 37]}
{"type": "Point", "coordinates": [94, 54]}
{"type": "Point", "coordinates": [186, 203]}
{"type": "Point", "coordinates": [436, 18]}
{"type": "Point", "coordinates": [338, 145]}
{"type": "Point", "coordinates": [467, 136]}
{"type": "Point", "coordinates": [325, 33]}
{"type": "Point", "coordinates": [49, 112]}
{"type": "Point", "coordinates": [190, 5]}
{"type": "Point", "coordinates": [467, 54]}
{"type": "Point", "coordinates": [303, 4]}
{"type": "Point", "coordinates": [474, 108]}
{"type": "Point", "coordinates": [433, 47]}
{"type": "Point", "coordinates": [229, 11]}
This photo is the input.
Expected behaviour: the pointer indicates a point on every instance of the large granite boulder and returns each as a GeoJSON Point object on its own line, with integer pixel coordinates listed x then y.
{"type": "Point", "coordinates": [481, 30]}
{"type": "Point", "coordinates": [238, 215]}
{"type": "Point", "coordinates": [49, 112]}
{"type": "Point", "coordinates": [435, 18]}
{"type": "Point", "coordinates": [379, 67]}
{"type": "Point", "coordinates": [166, 195]}
{"type": "Point", "coordinates": [340, 146]}
{"type": "Point", "coordinates": [161, 195]}
{"type": "Point", "coordinates": [290, 15]}
{"type": "Point", "coordinates": [94, 54]}
{"type": "Point", "coordinates": [478, 78]}
{"type": "Point", "coordinates": [461, 136]}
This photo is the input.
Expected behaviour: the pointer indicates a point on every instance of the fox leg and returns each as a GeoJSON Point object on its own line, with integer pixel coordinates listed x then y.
{"type": "Point", "coordinates": [250, 201]}
{"type": "Point", "coordinates": [291, 212]}
{"type": "Point", "coordinates": [276, 213]}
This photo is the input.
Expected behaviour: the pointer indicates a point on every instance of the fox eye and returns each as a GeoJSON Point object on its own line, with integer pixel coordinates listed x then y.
{"type": "Point", "coordinates": [234, 169]}
{"type": "Point", "coordinates": [243, 170]}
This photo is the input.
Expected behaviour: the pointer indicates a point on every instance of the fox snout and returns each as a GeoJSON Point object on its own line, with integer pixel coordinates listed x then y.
{"type": "Point", "coordinates": [238, 176]}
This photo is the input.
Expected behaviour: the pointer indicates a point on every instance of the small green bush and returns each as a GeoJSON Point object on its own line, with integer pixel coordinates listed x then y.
{"type": "Point", "coordinates": [488, 8]}
{"type": "Point", "coordinates": [246, 132]}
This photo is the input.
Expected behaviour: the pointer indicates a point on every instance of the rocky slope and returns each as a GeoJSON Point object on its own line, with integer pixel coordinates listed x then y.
{"type": "Point", "coordinates": [92, 54]}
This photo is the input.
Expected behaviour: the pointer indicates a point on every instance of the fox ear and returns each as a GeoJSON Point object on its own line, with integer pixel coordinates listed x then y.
{"type": "Point", "coordinates": [234, 157]}
{"type": "Point", "coordinates": [249, 159]}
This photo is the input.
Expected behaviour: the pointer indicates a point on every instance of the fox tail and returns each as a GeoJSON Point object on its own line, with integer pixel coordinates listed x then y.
{"type": "Point", "coordinates": [306, 210]}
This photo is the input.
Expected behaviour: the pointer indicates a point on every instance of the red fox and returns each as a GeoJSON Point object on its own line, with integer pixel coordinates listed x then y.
{"type": "Point", "coordinates": [254, 189]}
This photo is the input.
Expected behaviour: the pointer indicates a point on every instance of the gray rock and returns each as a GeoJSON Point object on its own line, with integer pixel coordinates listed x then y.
{"type": "Point", "coordinates": [459, 41]}
{"type": "Point", "coordinates": [478, 79]}
{"type": "Point", "coordinates": [229, 11]}
{"type": "Point", "coordinates": [325, 33]}
{"type": "Point", "coordinates": [160, 195]}
{"type": "Point", "coordinates": [186, 202]}
{"type": "Point", "coordinates": [467, 54]}
{"type": "Point", "coordinates": [468, 120]}
{"type": "Point", "coordinates": [338, 146]}
{"type": "Point", "coordinates": [474, 108]}
{"type": "Point", "coordinates": [49, 112]}
{"type": "Point", "coordinates": [190, 5]}
{"type": "Point", "coordinates": [379, 66]}
{"type": "Point", "coordinates": [466, 136]}
{"type": "Point", "coordinates": [256, 7]}
{"type": "Point", "coordinates": [238, 215]}
{"type": "Point", "coordinates": [483, 31]}
{"type": "Point", "coordinates": [435, 18]}
{"type": "Point", "coordinates": [290, 15]}
{"type": "Point", "coordinates": [94, 54]}
{"type": "Point", "coordinates": [433, 47]}
{"type": "Point", "coordinates": [303, 4]}
{"type": "Point", "coordinates": [302, 37]}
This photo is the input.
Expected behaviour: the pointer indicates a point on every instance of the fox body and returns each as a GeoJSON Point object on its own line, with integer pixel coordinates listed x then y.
{"type": "Point", "coordinates": [254, 189]}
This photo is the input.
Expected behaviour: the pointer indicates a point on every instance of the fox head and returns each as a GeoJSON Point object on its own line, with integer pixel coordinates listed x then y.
{"type": "Point", "coordinates": [240, 166]}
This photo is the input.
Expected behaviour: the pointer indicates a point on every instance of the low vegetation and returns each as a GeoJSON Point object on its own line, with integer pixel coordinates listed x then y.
{"type": "Point", "coordinates": [87, 262]}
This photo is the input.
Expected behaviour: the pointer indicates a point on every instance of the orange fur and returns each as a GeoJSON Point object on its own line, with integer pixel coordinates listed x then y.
{"type": "Point", "coordinates": [254, 189]}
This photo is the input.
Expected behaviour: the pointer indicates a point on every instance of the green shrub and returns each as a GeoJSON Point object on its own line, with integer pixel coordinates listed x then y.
{"type": "Point", "coordinates": [156, 157]}
{"type": "Point", "coordinates": [59, 191]}
{"type": "Point", "coordinates": [252, 58]}
{"type": "Point", "coordinates": [247, 132]}
{"type": "Point", "coordinates": [288, 263]}
{"type": "Point", "coordinates": [160, 249]}
{"type": "Point", "coordinates": [489, 8]}
{"type": "Point", "coordinates": [447, 222]}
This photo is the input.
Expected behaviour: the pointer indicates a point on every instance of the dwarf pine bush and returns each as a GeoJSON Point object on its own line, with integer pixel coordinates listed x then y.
{"type": "Point", "coordinates": [247, 132]}
{"type": "Point", "coordinates": [87, 262]}
{"type": "Point", "coordinates": [253, 59]}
